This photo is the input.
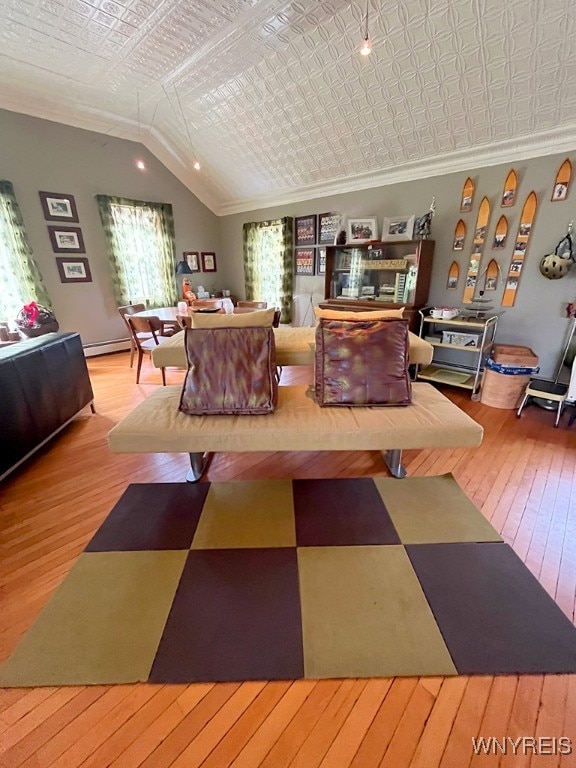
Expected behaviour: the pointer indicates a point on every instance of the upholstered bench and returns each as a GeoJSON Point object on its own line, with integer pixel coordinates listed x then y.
{"type": "Point", "coordinates": [298, 424]}
{"type": "Point", "coordinates": [294, 346]}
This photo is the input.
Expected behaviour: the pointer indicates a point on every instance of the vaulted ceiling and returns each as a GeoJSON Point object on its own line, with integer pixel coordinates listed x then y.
{"type": "Point", "coordinates": [273, 98]}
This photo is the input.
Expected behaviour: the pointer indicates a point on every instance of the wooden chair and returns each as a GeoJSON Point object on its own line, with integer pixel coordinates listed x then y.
{"type": "Point", "coordinates": [252, 304]}
{"type": "Point", "coordinates": [130, 309]}
{"type": "Point", "coordinates": [145, 339]}
{"type": "Point", "coordinates": [207, 305]}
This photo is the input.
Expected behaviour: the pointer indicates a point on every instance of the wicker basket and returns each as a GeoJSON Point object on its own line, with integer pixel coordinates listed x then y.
{"type": "Point", "coordinates": [502, 391]}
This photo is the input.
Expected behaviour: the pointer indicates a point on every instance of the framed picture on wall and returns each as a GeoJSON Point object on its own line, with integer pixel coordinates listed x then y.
{"type": "Point", "coordinates": [320, 261]}
{"type": "Point", "coordinates": [192, 258]}
{"type": "Point", "coordinates": [66, 239]}
{"type": "Point", "coordinates": [328, 228]}
{"type": "Point", "coordinates": [305, 230]}
{"type": "Point", "coordinates": [304, 261]}
{"type": "Point", "coordinates": [208, 261]}
{"type": "Point", "coordinates": [73, 270]}
{"type": "Point", "coordinates": [58, 207]}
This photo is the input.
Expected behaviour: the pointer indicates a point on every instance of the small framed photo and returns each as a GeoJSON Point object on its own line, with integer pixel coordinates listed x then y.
{"type": "Point", "coordinates": [66, 239]}
{"type": "Point", "coordinates": [192, 258]}
{"type": "Point", "coordinates": [58, 207]}
{"type": "Point", "coordinates": [304, 261]}
{"type": "Point", "coordinates": [305, 230]}
{"type": "Point", "coordinates": [328, 228]}
{"type": "Point", "coordinates": [73, 270]}
{"type": "Point", "coordinates": [320, 261]}
{"type": "Point", "coordinates": [208, 261]}
{"type": "Point", "coordinates": [560, 191]}
{"type": "Point", "coordinates": [398, 227]}
{"type": "Point", "coordinates": [362, 230]}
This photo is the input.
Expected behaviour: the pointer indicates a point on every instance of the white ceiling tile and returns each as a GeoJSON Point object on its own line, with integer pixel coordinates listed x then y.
{"type": "Point", "coordinates": [274, 93]}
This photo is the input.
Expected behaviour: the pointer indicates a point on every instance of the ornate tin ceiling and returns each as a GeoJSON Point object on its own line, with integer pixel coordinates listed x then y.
{"type": "Point", "coordinates": [277, 103]}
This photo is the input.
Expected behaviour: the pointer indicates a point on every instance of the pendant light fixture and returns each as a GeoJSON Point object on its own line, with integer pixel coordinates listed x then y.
{"type": "Point", "coordinates": [196, 165]}
{"type": "Point", "coordinates": [140, 164]}
{"type": "Point", "coordinates": [366, 47]}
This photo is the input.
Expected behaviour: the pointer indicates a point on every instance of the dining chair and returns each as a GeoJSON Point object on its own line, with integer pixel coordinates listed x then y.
{"type": "Point", "coordinates": [252, 304]}
{"type": "Point", "coordinates": [207, 305]}
{"type": "Point", "coordinates": [145, 339]}
{"type": "Point", "coordinates": [130, 309]}
{"type": "Point", "coordinates": [243, 310]}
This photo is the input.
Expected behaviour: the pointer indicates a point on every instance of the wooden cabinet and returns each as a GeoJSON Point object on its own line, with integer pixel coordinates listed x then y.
{"type": "Point", "coordinates": [379, 276]}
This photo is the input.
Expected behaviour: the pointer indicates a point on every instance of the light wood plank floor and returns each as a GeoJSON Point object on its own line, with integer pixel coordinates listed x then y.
{"type": "Point", "coordinates": [523, 479]}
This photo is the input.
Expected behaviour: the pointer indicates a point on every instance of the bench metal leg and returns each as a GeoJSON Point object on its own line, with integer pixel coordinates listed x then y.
{"type": "Point", "coordinates": [393, 460]}
{"type": "Point", "coordinates": [198, 465]}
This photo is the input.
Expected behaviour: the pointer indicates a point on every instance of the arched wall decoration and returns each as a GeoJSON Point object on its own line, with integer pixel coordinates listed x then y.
{"type": "Point", "coordinates": [453, 276]}
{"type": "Point", "coordinates": [500, 233]}
{"type": "Point", "coordinates": [491, 276]}
{"type": "Point", "coordinates": [520, 248]}
{"type": "Point", "coordinates": [562, 183]}
{"type": "Point", "coordinates": [459, 236]}
{"type": "Point", "coordinates": [509, 191]}
{"type": "Point", "coordinates": [476, 255]}
{"type": "Point", "coordinates": [467, 195]}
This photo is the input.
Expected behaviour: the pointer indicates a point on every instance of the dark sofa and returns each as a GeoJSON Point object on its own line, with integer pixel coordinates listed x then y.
{"type": "Point", "coordinates": [44, 383]}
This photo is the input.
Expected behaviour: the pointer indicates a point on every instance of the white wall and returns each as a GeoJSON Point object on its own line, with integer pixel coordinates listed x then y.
{"type": "Point", "coordinates": [38, 155]}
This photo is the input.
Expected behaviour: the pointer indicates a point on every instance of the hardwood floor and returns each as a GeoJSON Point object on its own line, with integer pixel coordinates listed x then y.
{"type": "Point", "coordinates": [522, 478]}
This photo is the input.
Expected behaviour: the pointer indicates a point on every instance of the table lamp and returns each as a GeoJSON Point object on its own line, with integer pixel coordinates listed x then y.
{"type": "Point", "coordinates": [182, 269]}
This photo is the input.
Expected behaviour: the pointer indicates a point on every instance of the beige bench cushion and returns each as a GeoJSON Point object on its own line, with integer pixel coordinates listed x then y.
{"type": "Point", "coordinates": [298, 424]}
{"type": "Point", "coordinates": [294, 346]}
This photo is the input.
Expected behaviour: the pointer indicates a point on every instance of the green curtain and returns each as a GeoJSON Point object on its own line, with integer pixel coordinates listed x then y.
{"type": "Point", "coordinates": [141, 250]}
{"type": "Point", "coordinates": [20, 278]}
{"type": "Point", "coordinates": [268, 271]}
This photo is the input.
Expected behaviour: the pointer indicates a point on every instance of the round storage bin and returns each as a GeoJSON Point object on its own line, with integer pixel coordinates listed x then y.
{"type": "Point", "coordinates": [502, 390]}
{"type": "Point", "coordinates": [506, 376]}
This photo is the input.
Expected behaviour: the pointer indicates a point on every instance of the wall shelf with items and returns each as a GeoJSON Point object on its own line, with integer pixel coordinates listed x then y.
{"type": "Point", "coordinates": [379, 275]}
{"type": "Point", "coordinates": [461, 346]}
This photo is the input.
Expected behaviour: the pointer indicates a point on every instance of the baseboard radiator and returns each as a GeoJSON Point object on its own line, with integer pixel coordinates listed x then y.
{"type": "Point", "coordinates": [106, 347]}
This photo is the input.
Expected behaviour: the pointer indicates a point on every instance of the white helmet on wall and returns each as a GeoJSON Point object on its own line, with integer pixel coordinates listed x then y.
{"type": "Point", "coordinates": [554, 267]}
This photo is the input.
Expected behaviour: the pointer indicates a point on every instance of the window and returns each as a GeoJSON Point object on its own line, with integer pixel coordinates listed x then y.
{"type": "Point", "coordinates": [20, 279]}
{"type": "Point", "coordinates": [268, 271]}
{"type": "Point", "coordinates": [140, 239]}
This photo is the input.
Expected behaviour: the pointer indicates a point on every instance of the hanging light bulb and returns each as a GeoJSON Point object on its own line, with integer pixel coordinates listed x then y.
{"type": "Point", "coordinates": [196, 165]}
{"type": "Point", "coordinates": [141, 165]}
{"type": "Point", "coordinates": [366, 47]}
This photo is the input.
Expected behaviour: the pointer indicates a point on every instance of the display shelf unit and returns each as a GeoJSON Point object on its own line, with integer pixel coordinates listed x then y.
{"type": "Point", "coordinates": [379, 275]}
{"type": "Point", "coordinates": [457, 364]}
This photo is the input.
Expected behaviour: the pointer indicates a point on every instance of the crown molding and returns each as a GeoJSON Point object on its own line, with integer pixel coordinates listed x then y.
{"type": "Point", "coordinates": [198, 183]}
{"type": "Point", "coordinates": [105, 123]}
{"type": "Point", "coordinates": [509, 151]}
